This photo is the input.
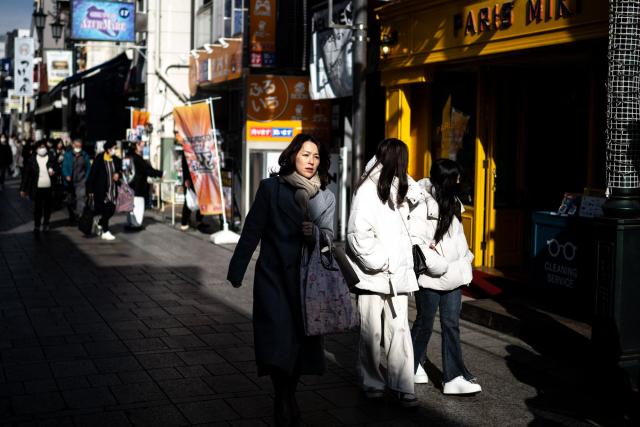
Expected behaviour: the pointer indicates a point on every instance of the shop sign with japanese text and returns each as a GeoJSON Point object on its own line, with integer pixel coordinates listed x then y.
{"type": "Point", "coordinates": [262, 25]}
{"type": "Point", "coordinates": [23, 66]}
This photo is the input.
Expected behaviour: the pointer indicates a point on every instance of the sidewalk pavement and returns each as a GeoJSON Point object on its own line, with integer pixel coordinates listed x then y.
{"type": "Point", "coordinates": [145, 331]}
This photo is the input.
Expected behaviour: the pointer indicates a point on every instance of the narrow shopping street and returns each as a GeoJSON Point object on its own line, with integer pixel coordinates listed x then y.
{"type": "Point", "coordinates": [145, 331]}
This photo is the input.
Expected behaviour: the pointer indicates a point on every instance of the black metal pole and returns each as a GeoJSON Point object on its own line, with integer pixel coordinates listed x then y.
{"type": "Point", "coordinates": [360, 11]}
{"type": "Point", "coordinates": [623, 110]}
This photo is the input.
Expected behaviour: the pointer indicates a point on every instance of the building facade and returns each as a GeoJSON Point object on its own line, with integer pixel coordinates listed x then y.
{"type": "Point", "coordinates": [512, 90]}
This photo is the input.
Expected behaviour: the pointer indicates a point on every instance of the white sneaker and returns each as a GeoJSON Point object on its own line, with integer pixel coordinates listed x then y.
{"type": "Point", "coordinates": [107, 236]}
{"type": "Point", "coordinates": [184, 227]}
{"type": "Point", "coordinates": [460, 385]}
{"type": "Point", "coordinates": [421, 376]}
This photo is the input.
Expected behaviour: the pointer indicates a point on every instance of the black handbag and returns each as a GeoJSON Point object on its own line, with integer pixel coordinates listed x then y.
{"type": "Point", "coordinates": [349, 274]}
{"type": "Point", "coordinates": [85, 223]}
{"type": "Point", "coordinates": [419, 261]}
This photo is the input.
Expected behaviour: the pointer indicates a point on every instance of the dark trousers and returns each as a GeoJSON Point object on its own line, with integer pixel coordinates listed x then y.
{"type": "Point", "coordinates": [3, 171]}
{"type": "Point", "coordinates": [186, 215]}
{"type": "Point", "coordinates": [285, 406]}
{"type": "Point", "coordinates": [42, 202]}
{"type": "Point", "coordinates": [449, 302]}
{"type": "Point", "coordinates": [108, 209]}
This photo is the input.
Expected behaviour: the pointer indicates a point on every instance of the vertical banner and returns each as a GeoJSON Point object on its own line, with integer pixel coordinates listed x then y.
{"type": "Point", "coordinates": [23, 66]}
{"type": "Point", "coordinates": [193, 124]}
{"type": "Point", "coordinates": [262, 23]}
{"type": "Point", "coordinates": [330, 65]}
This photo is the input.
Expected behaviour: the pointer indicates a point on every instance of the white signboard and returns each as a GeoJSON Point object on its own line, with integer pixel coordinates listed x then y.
{"type": "Point", "coordinates": [23, 66]}
{"type": "Point", "coordinates": [58, 66]}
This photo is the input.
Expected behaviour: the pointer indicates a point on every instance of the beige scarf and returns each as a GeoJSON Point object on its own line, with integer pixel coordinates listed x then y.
{"type": "Point", "coordinates": [310, 186]}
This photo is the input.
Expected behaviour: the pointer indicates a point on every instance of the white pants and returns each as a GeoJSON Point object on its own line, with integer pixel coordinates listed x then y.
{"type": "Point", "coordinates": [397, 343]}
{"type": "Point", "coordinates": [135, 218]}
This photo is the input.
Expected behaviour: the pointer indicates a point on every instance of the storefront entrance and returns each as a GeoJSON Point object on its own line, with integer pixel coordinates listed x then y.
{"type": "Point", "coordinates": [543, 131]}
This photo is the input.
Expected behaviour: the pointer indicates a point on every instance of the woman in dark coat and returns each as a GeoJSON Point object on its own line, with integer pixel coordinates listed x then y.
{"type": "Point", "coordinates": [39, 175]}
{"type": "Point", "coordinates": [275, 219]}
{"type": "Point", "coordinates": [102, 186]}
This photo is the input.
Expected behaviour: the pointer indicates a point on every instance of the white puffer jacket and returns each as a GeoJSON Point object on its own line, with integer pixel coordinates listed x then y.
{"type": "Point", "coordinates": [449, 264]}
{"type": "Point", "coordinates": [378, 240]}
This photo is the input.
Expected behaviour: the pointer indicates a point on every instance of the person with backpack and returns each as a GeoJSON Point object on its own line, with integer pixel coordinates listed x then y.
{"type": "Point", "coordinates": [76, 166]}
{"type": "Point", "coordinates": [436, 227]}
{"type": "Point", "coordinates": [102, 187]}
{"type": "Point", "coordinates": [140, 171]}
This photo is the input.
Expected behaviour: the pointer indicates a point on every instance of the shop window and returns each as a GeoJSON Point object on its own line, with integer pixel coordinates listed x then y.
{"type": "Point", "coordinates": [454, 124]}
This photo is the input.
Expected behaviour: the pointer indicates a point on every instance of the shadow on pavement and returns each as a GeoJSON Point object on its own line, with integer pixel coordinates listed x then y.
{"type": "Point", "coordinates": [104, 333]}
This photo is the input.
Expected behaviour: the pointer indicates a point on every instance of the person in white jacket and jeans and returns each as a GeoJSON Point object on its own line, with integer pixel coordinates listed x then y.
{"type": "Point", "coordinates": [437, 228]}
{"type": "Point", "coordinates": [379, 247]}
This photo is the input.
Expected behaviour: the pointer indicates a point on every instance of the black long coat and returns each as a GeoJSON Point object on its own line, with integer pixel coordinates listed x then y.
{"type": "Point", "coordinates": [143, 171]}
{"type": "Point", "coordinates": [29, 182]}
{"type": "Point", "coordinates": [98, 181]}
{"type": "Point", "coordinates": [275, 220]}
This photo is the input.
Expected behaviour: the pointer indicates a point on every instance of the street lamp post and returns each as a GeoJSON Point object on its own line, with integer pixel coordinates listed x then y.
{"type": "Point", "coordinates": [56, 28]}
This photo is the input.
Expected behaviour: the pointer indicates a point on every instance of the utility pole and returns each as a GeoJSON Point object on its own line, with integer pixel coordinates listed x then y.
{"type": "Point", "coordinates": [360, 39]}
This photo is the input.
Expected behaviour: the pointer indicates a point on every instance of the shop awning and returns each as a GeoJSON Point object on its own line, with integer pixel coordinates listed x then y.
{"type": "Point", "coordinates": [91, 72]}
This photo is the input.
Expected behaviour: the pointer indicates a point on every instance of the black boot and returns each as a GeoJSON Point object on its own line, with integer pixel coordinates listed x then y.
{"type": "Point", "coordinates": [295, 409]}
{"type": "Point", "coordinates": [282, 410]}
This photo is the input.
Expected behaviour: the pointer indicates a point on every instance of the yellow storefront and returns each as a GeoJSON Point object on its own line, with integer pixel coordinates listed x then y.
{"type": "Point", "coordinates": [512, 90]}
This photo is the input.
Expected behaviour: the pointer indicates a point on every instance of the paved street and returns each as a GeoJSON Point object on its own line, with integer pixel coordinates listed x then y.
{"type": "Point", "coordinates": [145, 331]}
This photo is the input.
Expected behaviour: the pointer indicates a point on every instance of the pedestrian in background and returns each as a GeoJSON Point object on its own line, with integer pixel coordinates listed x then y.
{"type": "Point", "coordinates": [379, 246]}
{"type": "Point", "coordinates": [277, 221]}
{"type": "Point", "coordinates": [39, 174]}
{"type": "Point", "coordinates": [142, 171]}
{"type": "Point", "coordinates": [76, 166]}
{"type": "Point", "coordinates": [187, 185]}
{"type": "Point", "coordinates": [436, 226]}
{"type": "Point", "coordinates": [102, 187]}
{"type": "Point", "coordinates": [17, 158]}
{"type": "Point", "coordinates": [6, 158]}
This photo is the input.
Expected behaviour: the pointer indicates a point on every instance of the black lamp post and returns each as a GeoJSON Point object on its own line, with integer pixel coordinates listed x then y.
{"type": "Point", "coordinates": [39, 19]}
{"type": "Point", "coordinates": [56, 29]}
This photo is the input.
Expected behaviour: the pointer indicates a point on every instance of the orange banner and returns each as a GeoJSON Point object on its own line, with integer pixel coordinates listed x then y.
{"type": "Point", "coordinates": [140, 118]}
{"type": "Point", "coordinates": [262, 23]}
{"type": "Point", "coordinates": [195, 133]}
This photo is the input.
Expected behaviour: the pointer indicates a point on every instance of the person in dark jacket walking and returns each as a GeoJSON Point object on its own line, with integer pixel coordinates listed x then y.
{"type": "Point", "coordinates": [102, 187]}
{"type": "Point", "coordinates": [6, 158]}
{"type": "Point", "coordinates": [37, 183]}
{"type": "Point", "coordinates": [142, 171]}
{"type": "Point", "coordinates": [187, 184]}
{"type": "Point", "coordinates": [278, 222]}
{"type": "Point", "coordinates": [76, 166]}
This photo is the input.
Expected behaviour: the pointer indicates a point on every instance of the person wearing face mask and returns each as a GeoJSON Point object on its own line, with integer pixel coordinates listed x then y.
{"type": "Point", "coordinates": [39, 175]}
{"type": "Point", "coordinates": [6, 158]}
{"type": "Point", "coordinates": [76, 166]}
{"type": "Point", "coordinates": [102, 187]}
{"type": "Point", "coordinates": [279, 222]}
{"type": "Point", "coordinates": [436, 226]}
{"type": "Point", "coordinates": [143, 170]}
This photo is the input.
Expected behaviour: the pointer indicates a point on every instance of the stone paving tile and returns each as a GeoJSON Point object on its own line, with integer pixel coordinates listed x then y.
{"type": "Point", "coordinates": [137, 392]}
{"type": "Point", "coordinates": [184, 388]}
{"type": "Point", "coordinates": [208, 411]}
{"type": "Point", "coordinates": [37, 403]}
{"type": "Point", "coordinates": [102, 419]}
{"type": "Point", "coordinates": [166, 416]}
{"type": "Point", "coordinates": [95, 397]}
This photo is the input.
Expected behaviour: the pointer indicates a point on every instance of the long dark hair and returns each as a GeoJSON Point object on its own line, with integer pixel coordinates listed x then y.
{"type": "Point", "coordinates": [444, 177]}
{"type": "Point", "coordinates": [287, 160]}
{"type": "Point", "coordinates": [393, 155]}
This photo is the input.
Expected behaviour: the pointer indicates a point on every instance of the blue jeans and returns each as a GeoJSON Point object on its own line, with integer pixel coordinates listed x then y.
{"type": "Point", "coordinates": [450, 302]}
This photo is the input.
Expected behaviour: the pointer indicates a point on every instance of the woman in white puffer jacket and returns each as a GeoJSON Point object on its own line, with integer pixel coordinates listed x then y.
{"type": "Point", "coordinates": [379, 247]}
{"type": "Point", "coordinates": [436, 227]}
